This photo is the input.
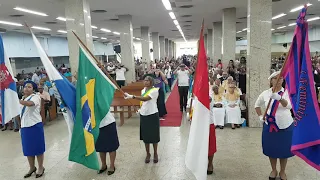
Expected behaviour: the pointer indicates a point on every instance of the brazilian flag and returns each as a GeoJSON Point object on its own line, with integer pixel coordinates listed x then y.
{"type": "Point", "coordinates": [94, 97]}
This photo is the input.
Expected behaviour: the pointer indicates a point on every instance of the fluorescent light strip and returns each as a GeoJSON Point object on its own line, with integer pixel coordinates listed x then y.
{"type": "Point", "coordinates": [41, 28]}
{"type": "Point", "coordinates": [313, 19]}
{"type": "Point", "coordinates": [281, 27]}
{"type": "Point", "coordinates": [292, 24]}
{"type": "Point", "coordinates": [167, 4]}
{"type": "Point", "coordinates": [103, 38]}
{"type": "Point", "coordinates": [94, 27]}
{"type": "Point", "coordinates": [176, 22]}
{"type": "Point", "coordinates": [279, 16]}
{"type": "Point", "coordinates": [239, 32]}
{"type": "Point", "coordinates": [61, 18]}
{"type": "Point", "coordinates": [272, 29]}
{"type": "Point", "coordinates": [171, 14]}
{"type": "Point", "coordinates": [116, 33]}
{"type": "Point", "coordinates": [105, 30]}
{"type": "Point", "coordinates": [30, 11]}
{"type": "Point", "coordinates": [62, 31]}
{"type": "Point", "coordinates": [95, 37]}
{"type": "Point", "coordinates": [10, 23]}
{"type": "Point", "coordinates": [244, 29]}
{"type": "Point", "coordinates": [299, 8]}
{"type": "Point", "coordinates": [138, 39]}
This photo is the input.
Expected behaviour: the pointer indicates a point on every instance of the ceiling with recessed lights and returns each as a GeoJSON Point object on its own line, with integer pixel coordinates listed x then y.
{"type": "Point", "coordinates": [152, 13]}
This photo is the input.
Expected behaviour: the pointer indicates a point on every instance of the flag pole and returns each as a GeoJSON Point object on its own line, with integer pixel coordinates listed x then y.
{"type": "Point", "coordinates": [278, 79]}
{"type": "Point", "coordinates": [102, 68]}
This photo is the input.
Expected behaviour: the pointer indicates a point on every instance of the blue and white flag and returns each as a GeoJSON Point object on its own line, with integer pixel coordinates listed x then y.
{"type": "Point", "coordinates": [10, 106]}
{"type": "Point", "coordinates": [66, 90]}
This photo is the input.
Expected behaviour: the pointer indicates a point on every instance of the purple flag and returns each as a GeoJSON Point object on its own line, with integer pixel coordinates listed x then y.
{"type": "Point", "coordinates": [299, 78]}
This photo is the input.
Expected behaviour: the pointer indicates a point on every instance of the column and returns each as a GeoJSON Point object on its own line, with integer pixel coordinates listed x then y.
{"type": "Point", "coordinates": [126, 41]}
{"type": "Point", "coordinates": [209, 43]}
{"type": "Point", "coordinates": [170, 49]}
{"type": "Point", "coordinates": [13, 66]}
{"type": "Point", "coordinates": [166, 47]}
{"type": "Point", "coordinates": [206, 42]}
{"type": "Point", "coordinates": [156, 45]}
{"type": "Point", "coordinates": [228, 35]}
{"type": "Point", "coordinates": [174, 50]}
{"type": "Point", "coordinates": [78, 17]}
{"type": "Point", "coordinates": [162, 47]}
{"type": "Point", "coordinates": [259, 53]}
{"type": "Point", "coordinates": [145, 44]}
{"type": "Point", "coordinates": [217, 41]}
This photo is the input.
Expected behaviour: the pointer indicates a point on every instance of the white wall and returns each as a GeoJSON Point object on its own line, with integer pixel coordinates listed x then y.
{"type": "Point", "coordinates": [187, 48]}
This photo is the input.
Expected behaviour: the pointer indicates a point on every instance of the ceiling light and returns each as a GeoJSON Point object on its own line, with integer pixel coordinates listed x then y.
{"type": "Point", "coordinates": [281, 27]}
{"type": "Point", "coordinates": [175, 22]}
{"type": "Point", "coordinates": [292, 24]}
{"type": "Point", "coordinates": [167, 4]}
{"type": "Point", "coordinates": [41, 28]}
{"type": "Point", "coordinates": [103, 38]}
{"type": "Point", "coordinates": [61, 18]}
{"type": "Point", "coordinates": [10, 23]}
{"type": "Point", "coordinates": [81, 24]}
{"type": "Point", "coordinates": [138, 39]}
{"type": "Point", "coordinates": [171, 14]}
{"type": "Point", "coordinates": [30, 11]}
{"type": "Point", "coordinates": [279, 16]}
{"type": "Point", "coordinates": [105, 30]}
{"type": "Point", "coordinates": [62, 31]}
{"type": "Point", "coordinates": [95, 37]}
{"type": "Point", "coordinates": [244, 29]}
{"type": "Point", "coordinates": [313, 19]}
{"type": "Point", "coordinates": [94, 27]}
{"type": "Point", "coordinates": [116, 33]}
{"type": "Point", "coordinates": [239, 31]}
{"type": "Point", "coordinates": [272, 29]}
{"type": "Point", "coordinates": [299, 8]}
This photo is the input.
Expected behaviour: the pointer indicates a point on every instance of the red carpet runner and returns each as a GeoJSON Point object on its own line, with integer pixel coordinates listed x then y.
{"type": "Point", "coordinates": [174, 116]}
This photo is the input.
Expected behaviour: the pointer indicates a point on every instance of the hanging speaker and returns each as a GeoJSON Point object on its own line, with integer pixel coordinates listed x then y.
{"type": "Point", "coordinates": [117, 49]}
{"type": "Point", "coordinates": [151, 50]}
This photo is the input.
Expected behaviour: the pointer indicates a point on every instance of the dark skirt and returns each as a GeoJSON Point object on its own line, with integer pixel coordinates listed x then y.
{"type": "Point", "coordinates": [32, 139]}
{"type": "Point", "coordinates": [108, 139]}
{"type": "Point", "coordinates": [161, 103]}
{"type": "Point", "coordinates": [150, 128]}
{"type": "Point", "coordinates": [277, 144]}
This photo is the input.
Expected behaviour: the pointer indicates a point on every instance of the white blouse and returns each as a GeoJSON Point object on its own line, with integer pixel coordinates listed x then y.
{"type": "Point", "coordinates": [31, 115]}
{"type": "Point", "coordinates": [283, 114]}
{"type": "Point", "coordinates": [108, 119]}
{"type": "Point", "coordinates": [150, 107]}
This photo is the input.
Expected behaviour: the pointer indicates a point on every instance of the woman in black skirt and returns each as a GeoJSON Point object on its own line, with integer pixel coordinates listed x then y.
{"type": "Point", "coordinates": [277, 126]}
{"type": "Point", "coordinates": [107, 142]}
{"type": "Point", "coordinates": [149, 117]}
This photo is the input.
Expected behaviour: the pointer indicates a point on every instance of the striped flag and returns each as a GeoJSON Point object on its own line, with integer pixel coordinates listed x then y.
{"type": "Point", "coordinates": [10, 106]}
{"type": "Point", "coordinates": [298, 74]}
{"type": "Point", "coordinates": [198, 143]}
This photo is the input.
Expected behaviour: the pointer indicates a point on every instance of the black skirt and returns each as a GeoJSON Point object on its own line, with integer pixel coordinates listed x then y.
{"type": "Point", "coordinates": [150, 128]}
{"type": "Point", "coordinates": [161, 103]}
{"type": "Point", "coordinates": [108, 139]}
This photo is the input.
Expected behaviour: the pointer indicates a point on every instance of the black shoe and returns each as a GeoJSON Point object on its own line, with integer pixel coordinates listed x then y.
{"type": "Point", "coordinates": [221, 127]}
{"type": "Point", "coordinates": [40, 175]}
{"type": "Point", "coordinates": [218, 127]}
{"type": "Point", "coordinates": [16, 130]}
{"type": "Point", "coordinates": [181, 109]}
{"type": "Point", "coordinates": [29, 174]}
{"type": "Point", "coordinates": [4, 129]}
{"type": "Point", "coordinates": [209, 172]}
{"type": "Point", "coordinates": [102, 170]}
{"type": "Point", "coordinates": [233, 128]}
{"type": "Point", "coordinates": [111, 172]}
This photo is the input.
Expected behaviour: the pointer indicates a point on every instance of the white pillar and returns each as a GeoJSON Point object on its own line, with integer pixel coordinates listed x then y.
{"type": "Point", "coordinates": [206, 42]}
{"type": "Point", "coordinates": [156, 45]}
{"type": "Point", "coordinates": [209, 41]}
{"type": "Point", "coordinates": [162, 47]}
{"type": "Point", "coordinates": [126, 41]}
{"type": "Point", "coordinates": [13, 66]}
{"type": "Point", "coordinates": [259, 53]}
{"type": "Point", "coordinates": [170, 49]}
{"type": "Point", "coordinates": [228, 35]}
{"type": "Point", "coordinates": [174, 50]}
{"type": "Point", "coordinates": [145, 44]}
{"type": "Point", "coordinates": [166, 47]}
{"type": "Point", "coordinates": [78, 17]}
{"type": "Point", "coordinates": [217, 41]}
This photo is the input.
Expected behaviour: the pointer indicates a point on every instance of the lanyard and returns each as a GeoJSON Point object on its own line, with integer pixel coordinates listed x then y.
{"type": "Point", "coordinates": [272, 117]}
{"type": "Point", "coordinates": [24, 107]}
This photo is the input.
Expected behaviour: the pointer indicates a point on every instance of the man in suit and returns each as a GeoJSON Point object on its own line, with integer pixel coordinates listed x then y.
{"type": "Point", "coordinates": [20, 88]}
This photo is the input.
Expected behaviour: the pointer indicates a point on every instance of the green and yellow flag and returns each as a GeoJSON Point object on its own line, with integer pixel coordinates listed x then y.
{"type": "Point", "coordinates": [94, 97]}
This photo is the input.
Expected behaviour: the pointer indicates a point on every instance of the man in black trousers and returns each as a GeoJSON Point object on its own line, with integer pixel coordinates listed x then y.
{"type": "Point", "coordinates": [183, 73]}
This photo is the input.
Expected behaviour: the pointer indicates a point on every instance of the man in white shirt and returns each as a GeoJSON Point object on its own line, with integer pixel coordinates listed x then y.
{"type": "Point", "coordinates": [47, 99]}
{"type": "Point", "coordinates": [35, 77]}
{"type": "Point", "coordinates": [168, 73]}
{"type": "Point", "coordinates": [110, 69]}
{"type": "Point", "coordinates": [183, 74]}
{"type": "Point", "coordinates": [120, 77]}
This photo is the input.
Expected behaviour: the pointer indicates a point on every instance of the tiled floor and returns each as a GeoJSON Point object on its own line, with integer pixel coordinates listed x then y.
{"type": "Point", "coordinates": [239, 156]}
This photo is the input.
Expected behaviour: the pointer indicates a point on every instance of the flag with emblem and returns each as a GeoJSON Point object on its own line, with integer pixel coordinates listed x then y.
{"type": "Point", "coordinates": [9, 97]}
{"type": "Point", "coordinates": [94, 97]}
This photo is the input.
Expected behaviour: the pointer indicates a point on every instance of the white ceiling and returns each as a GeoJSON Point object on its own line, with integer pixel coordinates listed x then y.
{"type": "Point", "coordinates": [148, 13]}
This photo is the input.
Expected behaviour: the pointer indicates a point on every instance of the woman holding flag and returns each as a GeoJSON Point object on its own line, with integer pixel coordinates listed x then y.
{"type": "Point", "coordinates": [277, 126]}
{"type": "Point", "coordinates": [32, 134]}
{"type": "Point", "coordinates": [149, 117]}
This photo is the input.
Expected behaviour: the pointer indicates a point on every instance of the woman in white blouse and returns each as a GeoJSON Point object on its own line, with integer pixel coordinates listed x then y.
{"type": "Point", "coordinates": [32, 134]}
{"type": "Point", "coordinates": [149, 117]}
{"type": "Point", "coordinates": [277, 125]}
{"type": "Point", "coordinates": [232, 102]}
{"type": "Point", "coordinates": [218, 109]}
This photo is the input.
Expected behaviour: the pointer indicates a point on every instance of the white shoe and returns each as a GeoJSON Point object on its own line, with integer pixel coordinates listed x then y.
{"type": "Point", "coordinates": [162, 119]}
